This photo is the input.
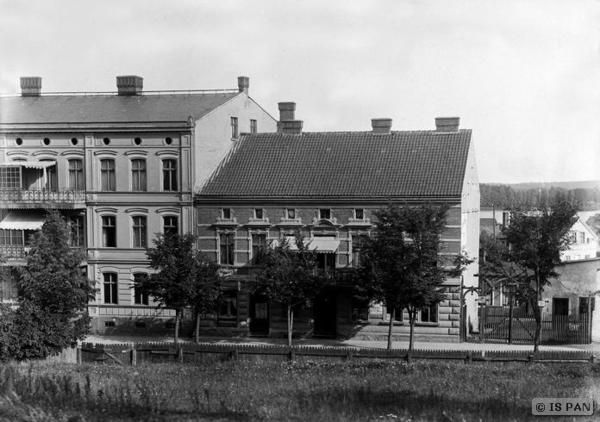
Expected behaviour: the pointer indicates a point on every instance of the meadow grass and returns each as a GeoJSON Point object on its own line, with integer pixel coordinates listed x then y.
{"type": "Point", "coordinates": [377, 390]}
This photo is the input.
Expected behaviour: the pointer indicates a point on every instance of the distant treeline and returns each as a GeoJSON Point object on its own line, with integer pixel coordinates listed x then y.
{"type": "Point", "coordinates": [506, 196]}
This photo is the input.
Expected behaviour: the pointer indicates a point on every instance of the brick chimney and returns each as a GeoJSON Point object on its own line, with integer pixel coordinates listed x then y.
{"type": "Point", "coordinates": [382, 126]}
{"type": "Point", "coordinates": [447, 124]}
{"type": "Point", "coordinates": [243, 84]}
{"type": "Point", "coordinates": [287, 123]}
{"type": "Point", "coordinates": [130, 85]}
{"type": "Point", "coordinates": [31, 86]}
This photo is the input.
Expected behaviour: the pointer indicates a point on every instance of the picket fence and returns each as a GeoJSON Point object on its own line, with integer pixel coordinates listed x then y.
{"type": "Point", "coordinates": [143, 353]}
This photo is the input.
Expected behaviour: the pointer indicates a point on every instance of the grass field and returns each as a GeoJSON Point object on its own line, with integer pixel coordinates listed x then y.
{"type": "Point", "coordinates": [283, 391]}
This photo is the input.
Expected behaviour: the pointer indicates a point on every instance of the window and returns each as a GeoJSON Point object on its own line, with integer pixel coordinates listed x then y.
{"type": "Point", "coordinates": [227, 312]}
{"type": "Point", "coordinates": [137, 141]}
{"type": "Point", "coordinates": [253, 126]}
{"type": "Point", "coordinates": [76, 175]}
{"type": "Point", "coordinates": [234, 128]}
{"type": "Point", "coordinates": [326, 261]}
{"type": "Point", "coordinates": [259, 243]}
{"type": "Point", "coordinates": [111, 288]}
{"type": "Point", "coordinates": [584, 305]}
{"type": "Point", "coordinates": [359, 213]}
{"type": "Point", "coordinates": [19, 141]}
{"type": "Point", "coordinates": [581, 237]}
{"type": "Point", "coordinates": [258, 213]}
{"type": "Point", "coordinates": [325, 214]}
{"type": "Point", "coordinates": [357, 243]}
{"type": "Point", "coordinates": [140, 238]}
{"type": "Point", "coordinates": [10, 178]}
{"type": "Point", "coordinates": [52, 178]}
{"type": "Point", "coordinates": [139, 297]}
{"type": "Point", "coordinates": [11, 237]}
{"type": "Point", "coordinates": [227, 243]}
{"type": "Point", "coordinates": [77, 230]}
{"type": "Point", "coordinates": [429, 314]}
{"type": "Point", "coordinates": [226, 213]}
{"type": "Point", "coordinates": [170, 225]}
{"type": "Point", "coordinates": [109, 232]}
{"type": "Point", "coordinates": [169, 175]}
{"type": "Point", "coordinates": [106, 141]}
{"type": "Point", "coordinates": [107, 176]}
{"type": "Point", "coordinates": [138, 175]}
{"type": "Point", "coordinates": [46, 141]}
{"type": "Point", "coordinates": [290, 213]}
{"type": "Point", "coordinates": [74, 141]}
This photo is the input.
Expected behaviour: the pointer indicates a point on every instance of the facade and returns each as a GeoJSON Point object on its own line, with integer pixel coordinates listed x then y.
{"type": "Point", "coordinates": [327, 185]}
{"type": "Point", "coordinates": [121, 167]}
{"type": "Point", "coordinates": [584, 243]}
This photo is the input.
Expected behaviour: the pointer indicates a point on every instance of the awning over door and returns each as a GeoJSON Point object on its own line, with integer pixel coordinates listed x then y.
{"type": "Point", "coordinates": [323, 244]}
{"type": "Point", "coordinates": [22, 220]}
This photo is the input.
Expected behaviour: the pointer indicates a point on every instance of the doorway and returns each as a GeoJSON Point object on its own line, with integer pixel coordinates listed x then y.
{"type": "Point", "coordinates": [325, 315]}
{"type": "Point", "coordinates": [259, 315]}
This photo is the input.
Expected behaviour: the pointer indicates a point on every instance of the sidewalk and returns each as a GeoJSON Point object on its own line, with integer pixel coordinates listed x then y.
{"type": "Point", "coordinates": [361, 344]}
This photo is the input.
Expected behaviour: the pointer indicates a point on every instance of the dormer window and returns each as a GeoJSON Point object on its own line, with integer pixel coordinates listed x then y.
{"type": "Point", "coordinates": [290, 213]}
{"type": "Point", "coordinates": [359, 213]}
{"type": "Point", "coordinates": [259, 213]}
{"type": "Point", "coordinates": [325, 214]}
{"type": "Point", "coordinates": [226, 213]}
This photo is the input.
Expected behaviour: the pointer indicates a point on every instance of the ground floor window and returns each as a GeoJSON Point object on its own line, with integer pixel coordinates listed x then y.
{"type": "Point", "coordinates": [429, 314]}
{"type": "Point", "coordinates": [227, 314]}
{"type": "Point", "coordinates": [139, 297]}
{"type": "Point", "coordinates": [110, 288]}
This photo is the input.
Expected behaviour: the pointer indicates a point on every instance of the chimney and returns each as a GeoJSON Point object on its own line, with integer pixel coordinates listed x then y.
{"type": "Point", "coordinates": [243, 84]}
{"type": "Point", "coordinates": [287, 123]}
{"type": "Point", "coordinates": [447, 124]}
{"type": "Point", "coordinates": [382, 126]}
{"type": "Point", "coordinates": [291, 127]}
{"type": "Point", "coordinates": [31, 86]}
{"type": "Point", "coordinates": [130, 85]}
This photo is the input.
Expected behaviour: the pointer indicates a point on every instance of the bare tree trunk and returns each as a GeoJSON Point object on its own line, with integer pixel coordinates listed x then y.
{"type": "Point", "coordinates": [391, 327]}
{"type": "Point", "coordinates": [177, 314]}
{"type": "Point", "coordinates": [197, 327]}
{"type": "Point", "coordinates": [538, 315]}
{"type": "Point", "coordinates": [290, 324]}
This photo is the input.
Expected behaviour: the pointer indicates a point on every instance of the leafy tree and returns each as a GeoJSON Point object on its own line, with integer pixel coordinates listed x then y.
{"type": "Point", "coordinates": [183, 277]}
{"type": "Point", "coordinates": [536, 240]}
{"type": "Point", "coordinates": [290, 277]}
{"type": "Point", "coordinates": [53, 291]}
{"type": "Point", "coordinates": [400, 263]}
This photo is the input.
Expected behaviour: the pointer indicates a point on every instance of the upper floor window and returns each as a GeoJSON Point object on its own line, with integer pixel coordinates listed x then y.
{"type": "Point", "coordinates": [169, 175]}
{"type": "Point", "coordinates": [108, 182]}
{"type": "Point", "coordinates": [358, 243]}
{"type": "Point", "coordinates": [51, 176]}
{"type": "Point", "coordinates": [76, 175]}
{"type": "Point", "coordinates": [226, 248]}
{"type": "Point", "coordinates": [325, 214]}
{"type": "Point", "coordinates": [139, 297]}
{"type": "Point", "coordinates": [253, 126]}
{"type": "Point", "coordinates": [140, 238]}
{"type": "Point", "coordinates": [581, 237]}
{"type": "Point", "coordinates": [170, 225]}
{"type": "Point", "coordinates": [226, 213]}
{"type": "Point", "coordinates": [259, 243]}
{"type": "Point", "coordinates": [359, 213]}
{"type": "Point", "coordinates": [109, 232]}
{"type": "Point", "coordinates": [234, 128]}
{"type": "Point", "coordinates": [259, 213]}
{"type": "Point", "coordinates": [10, 178]}
{"type": "Point", "coordinates": [77, 230]}
{"type": "Point", "coordinates": [138, 175]}
{"type": "Point", "coordinates": [290, 213]}
{"type": "Point", "coordinates": [111, 288]}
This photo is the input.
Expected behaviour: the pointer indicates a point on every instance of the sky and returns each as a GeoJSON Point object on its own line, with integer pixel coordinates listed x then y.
{"type": "Point", "coordinates": [523, 75]}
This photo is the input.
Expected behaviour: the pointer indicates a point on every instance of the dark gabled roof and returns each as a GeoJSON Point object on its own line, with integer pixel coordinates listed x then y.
{"type": "Point", "coordinates": [343, 164]}
{"type": "Point", "coordinates": [109, 108]}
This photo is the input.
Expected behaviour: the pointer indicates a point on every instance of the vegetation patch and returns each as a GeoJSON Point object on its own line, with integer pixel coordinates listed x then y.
{"type": "Point", "coordinates": [374, 390]}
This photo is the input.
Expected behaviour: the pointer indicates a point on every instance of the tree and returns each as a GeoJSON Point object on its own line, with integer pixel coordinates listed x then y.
{"type": "Point", "coordinates": [290, 277]}
{"type": "Point", "coordinates": [183, 277]}
{"type": "Point", "coordinates": [400, 264]}
{"type": "Point", "coordinates": [536, 241]}
{"type": "Point", "coordinates": [53, 291]}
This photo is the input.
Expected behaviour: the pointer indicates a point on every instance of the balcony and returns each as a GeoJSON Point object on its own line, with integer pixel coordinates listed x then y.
{"type": "Point", "coordinates": [14, 251]}
{"type": "Point", "coordinates": [42, 198]}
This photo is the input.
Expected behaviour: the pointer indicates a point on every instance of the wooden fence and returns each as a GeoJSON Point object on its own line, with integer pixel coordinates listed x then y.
{"type": "Point", "coordinates": [563, 329]}
{"type": "Point", "coordinates": [128, 354]}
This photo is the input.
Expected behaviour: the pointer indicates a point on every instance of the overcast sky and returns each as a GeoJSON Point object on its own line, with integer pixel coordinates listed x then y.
{"type": "Point", "coordinates": [524, 75]}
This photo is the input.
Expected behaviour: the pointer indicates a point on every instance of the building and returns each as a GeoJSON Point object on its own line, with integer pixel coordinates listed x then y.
{"type": "Point", "coordinates": [584, 243]}
{"type": "Point", "coordinates": [327, 185]}
{"type": "Point", "coordinates": [121, 166]}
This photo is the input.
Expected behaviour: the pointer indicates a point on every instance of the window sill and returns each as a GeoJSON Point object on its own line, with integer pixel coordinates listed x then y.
{"type": "Point", "coordinates": [427, 324]}
{"type": "Point", "coordinates": [387, 323]}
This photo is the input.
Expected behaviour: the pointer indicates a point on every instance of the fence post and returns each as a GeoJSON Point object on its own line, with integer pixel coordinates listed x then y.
{"type": "Point", "coordinates": [469, 358]}
{"type": "Point", "coordinates": [592, 359]}
{"type": "Point", "coordinates": [292, 355]}
{"type": "Point", "coordinates": [79, 358]}
{"type": "Point", "coordinates": [133, 357]}
{"type": "Point", "coordinates": [180, 354]}
{"type": "Point", "coordinates": [530, 358]}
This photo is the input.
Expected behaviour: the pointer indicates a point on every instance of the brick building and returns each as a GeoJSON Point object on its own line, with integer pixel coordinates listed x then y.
{"type": "Point", "coordinates": [327, 185]}
{"type": "Point", "coordinates": [121, 166]}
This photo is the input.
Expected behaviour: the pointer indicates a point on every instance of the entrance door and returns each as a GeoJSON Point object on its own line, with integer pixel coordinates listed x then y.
{"type": "Point", "coordinates": [259, 315]}
{"type": "Point", "coordinates": [325, 315]}
{"type": "Point", "coordinates": [560, 318]}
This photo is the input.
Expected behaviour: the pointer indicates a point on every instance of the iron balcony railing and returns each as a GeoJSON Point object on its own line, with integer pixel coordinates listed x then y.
{"type": "Point", "coordinates": [43, 196]}
{"type": "Point", "coordinates": [13, 251]}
